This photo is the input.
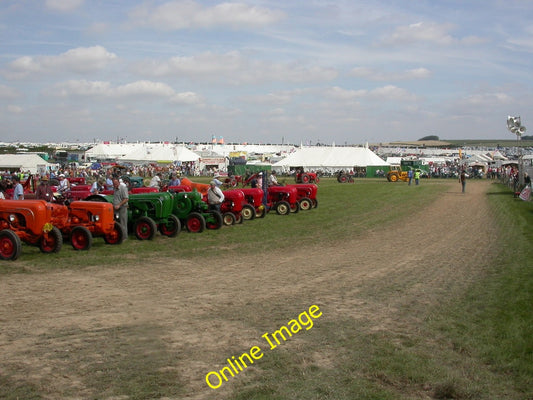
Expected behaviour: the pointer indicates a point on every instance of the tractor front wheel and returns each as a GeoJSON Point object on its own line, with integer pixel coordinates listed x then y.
{"type": "Point", "coordinates": [261, 212]}
{"type": "Point", "coordinates": [214, 221]}
{"type": "Point", "coordinates": [295, 207]}
{"type": "Point", "coordinates": [195, 222]}
{"type": "Point", "coordinates": [116, 236]}
{"type": "Point", "coordinates": [172, 227]}
{"type": "Point", "coordinates": [145, 228]}
{"type": "Point", "coordinates": [283, 208]}
{"type": "Point", "coordinates": [52, 241]}
{"type": "Point", "coordinates": [81, 238]}
{"type": "Point", "coordinates": [228, 218]}
{"type": "Point", "coordinates": [10, 245]}
{"type": "Point", "coordinates": [305, 204]}
{"type": "Point", "coordinates": [248, 212]}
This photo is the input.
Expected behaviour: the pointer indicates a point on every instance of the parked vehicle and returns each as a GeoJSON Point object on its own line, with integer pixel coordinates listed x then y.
{"type": "Point", "coordinates": [306, 195]}
{"type": "Point", "coordinates": [28, 221]}
{"type": "Point", "coordinates": [232, 206]}
{"type": "Point", "coordinates": [254, 206]}
{"type": "Point", "coordinates": [193, 212]}
{"type": "Point", "coordinates": [283, 199]}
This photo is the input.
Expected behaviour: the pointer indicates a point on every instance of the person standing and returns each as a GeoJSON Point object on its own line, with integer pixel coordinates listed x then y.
{"type": "Point", "coordinates": [462, 180]}
{"type": "Point", "coordinates": [44, 191]}
{"type": "Point", "coordinates": [18, 193]}
{"type": "Point", "coordinates": [120, 203]}
{"type": "Point", "coordinates": [410, 175]}
{"type": "Point", "coordinates": [215, 197]}
{"type": "Point", "coordinates": [417, 176]}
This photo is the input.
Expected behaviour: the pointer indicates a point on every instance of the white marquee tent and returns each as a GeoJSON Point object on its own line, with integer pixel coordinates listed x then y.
{"type": "Point", "coordinates": [141, 152]}
{"type": "Point", "coordinates": [331, 158]}
{"type": "Point", "coordinates": [25, 162]}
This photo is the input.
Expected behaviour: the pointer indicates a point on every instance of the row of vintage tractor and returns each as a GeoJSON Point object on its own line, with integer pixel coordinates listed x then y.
{"type": "Point", "coordinates": [82, 216]}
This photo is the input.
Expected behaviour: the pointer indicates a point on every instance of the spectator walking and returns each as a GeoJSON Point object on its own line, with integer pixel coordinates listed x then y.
{"type": "Point", "coordinates": [417, 176]}
{"type": "Point", "coordinates": [44, 191]}
{"type": "Point", "coordinates": [215, 197]}
{"type": "Point", "coordinates": [18, 193]}
{"type": "Point", "coordinates": [410, 175]}
{"type": "Point", "coordinates": [120, 203]}
{"type": "Point", "coordinates": [462, 180]}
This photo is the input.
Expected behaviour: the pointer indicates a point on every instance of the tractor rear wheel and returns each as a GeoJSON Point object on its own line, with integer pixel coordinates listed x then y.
{"type": "Point", "coordinates": [214, 221]}
{"type": "Point", "coordinates": [393, 177]}
{"type": "Point", "coordinates": [145, 228]}
{"type": "Point", "coordinates": [116, 236]}
{"type": "Point", "coordinates": [248, 212]}
{"type": "Point", "coordinates": [195, 223]}
{"type": "Point", "coordinates": [172, 227]}
{"type": "Point", "coordinates": [305, 178]}
{"type": "Point", "coordinates": [295, 207]}
{"type": "Point", "coordinates": [261, 212]}
{"type": "Point", "coordinates": [52, 241]}
{"type": "Point", "coordinates": [81, 238]}
{"type": "Point", "coordinates": [306, 204]}
{"type": "Point", "coordinates": [10, 245]}
{"type": "Point", "coordinates": [283, 208]}
{"type": "Point", "coordinates": [228, 218]}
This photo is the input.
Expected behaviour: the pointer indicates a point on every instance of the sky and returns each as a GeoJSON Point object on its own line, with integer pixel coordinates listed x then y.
{"type": "Point", "coordinates": [297, 71]}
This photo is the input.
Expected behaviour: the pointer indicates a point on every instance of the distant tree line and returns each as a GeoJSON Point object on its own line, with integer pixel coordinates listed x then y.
{"type": "Point", "coordinates": [431, 137]}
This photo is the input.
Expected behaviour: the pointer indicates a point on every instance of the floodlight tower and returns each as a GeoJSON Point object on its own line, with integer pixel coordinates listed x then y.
{"type": "Point", "coordinates": [515, 126]}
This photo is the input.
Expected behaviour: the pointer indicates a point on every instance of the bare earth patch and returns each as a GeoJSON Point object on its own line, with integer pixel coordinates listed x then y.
{"type": "Point", "coordinates": [62, 329]}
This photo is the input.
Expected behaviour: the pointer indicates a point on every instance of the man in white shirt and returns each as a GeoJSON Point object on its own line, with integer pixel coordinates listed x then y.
{"type": "Point", "coordinates": [215, 197]}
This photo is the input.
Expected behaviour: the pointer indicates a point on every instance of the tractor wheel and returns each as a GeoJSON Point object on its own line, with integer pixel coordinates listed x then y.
{"type": "Point", "coordinates": [283, 208]}
{"type": "Point", "coordinates": [315, 203]}
{"type": "Point", "coordinates": [195, 223]}
{"type": "Point", "coordinates": [81, 238]}
{"type": "Point", "coordinates": [233, 183]}
{"type": "Point", "coordinates": [96, 197]}
{"type": "Point", "coordinates": [261, 212]}
{"type": "Point", "coordinates": [116, 236]}
{"type": "Point", "coordinates": [305, 178]}
{"type": "Point", "coordinates": [248, 212]}
{"type": "Point", "coordinates": [295, 207]}
{"type": "Point", "coordinates": [393, 178]}
{"type": "Point", "coordinates": [317, 179]}
{"type": "Point", "coordinates": [145, 228]}
{"type": "Point", "coordinates": [228, 218]}
{"type": "Point", "coordinates": [52, 241]}
{"type": "Point", "coordinates": [238, 218]}
{"type": "Point", "coordinates": [306, 204]}
{"type": "Point", "coordinates": [10, 245]}
{"type": "Point", "coordinates": [214, 221]}
{"type": "Point", "coordinates": [172, 227]}
{"type": "Point", "coordinates": [342, 179]}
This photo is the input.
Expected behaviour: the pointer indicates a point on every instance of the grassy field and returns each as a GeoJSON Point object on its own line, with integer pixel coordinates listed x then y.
{"type": "Point", "coordinates": [474, 344]}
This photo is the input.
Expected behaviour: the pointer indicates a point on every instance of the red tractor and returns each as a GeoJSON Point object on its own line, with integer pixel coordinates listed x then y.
{"type": "Point", "coordinates": [306, 177]}
{"type": "Point", "coordinates": [283, 199]}
{"type": "Point", "coordinates": [306, 194]}
{"type": "Point", "coordinates": [232, 206]}
{"type": "Point", "coordinates": [28, 221]}
{"type": "Point", "coordinates": [83, 220]}
{"type": "Point", "coordinates": [254, 206]}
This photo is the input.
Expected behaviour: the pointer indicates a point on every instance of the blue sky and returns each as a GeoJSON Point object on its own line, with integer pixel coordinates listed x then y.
{"type": "Point", "coordinates": [345, 71]}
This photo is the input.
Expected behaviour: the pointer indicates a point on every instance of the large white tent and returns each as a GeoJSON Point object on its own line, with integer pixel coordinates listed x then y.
{"type": "Point", "coordinates": [331, 158]}
{"type": "Point", "coordinates": [141, 152]}
{"type": "Point", "coordinates": [25, 162]}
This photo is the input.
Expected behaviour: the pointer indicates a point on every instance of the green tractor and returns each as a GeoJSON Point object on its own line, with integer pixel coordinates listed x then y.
{"type": "Point", "coordinates": [193, 212]}
{"type": "Point", "coordinates": [149, 212]}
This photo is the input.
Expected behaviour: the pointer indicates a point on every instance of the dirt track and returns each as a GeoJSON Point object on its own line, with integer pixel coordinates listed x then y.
{"type": "Point", "coordinates": [57, 325]}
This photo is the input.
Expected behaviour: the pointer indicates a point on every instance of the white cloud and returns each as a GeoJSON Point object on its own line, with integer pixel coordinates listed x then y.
{"type": "Point", "coordinates": [234, 68]}
{"type": "Point", "coordinates": [7, 92]}
{"type": "Point", "coordinates": [63, 5]}
{"type": "Point", "coordinates": [138, 89]}
{"type": "Point", "coordinates": [14, 109]}
{"type": "Point", "coordinates": [79, 60]}
{"type": "Point", "coordinates": [421, 32]}
{"type": "Point", "coordinates": [187, 14]}
{"type": "Point", "coordinates": [377, 75]}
